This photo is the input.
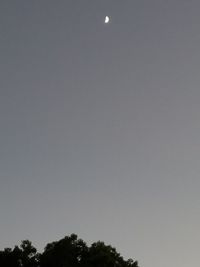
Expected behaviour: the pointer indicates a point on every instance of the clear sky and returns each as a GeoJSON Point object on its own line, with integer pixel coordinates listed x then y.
{"type": "Point", "coordinates": [100, 125]}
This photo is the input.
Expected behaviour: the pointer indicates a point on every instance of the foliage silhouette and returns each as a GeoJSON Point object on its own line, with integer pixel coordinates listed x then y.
{"type": "Point", "coordinates": [67, 252]}
{"type": "Point", "coordinates": [24, 256]}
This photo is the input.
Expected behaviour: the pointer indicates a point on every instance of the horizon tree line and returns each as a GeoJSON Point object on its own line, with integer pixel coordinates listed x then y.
{"type": "Point", "coordinates": [70, 251]}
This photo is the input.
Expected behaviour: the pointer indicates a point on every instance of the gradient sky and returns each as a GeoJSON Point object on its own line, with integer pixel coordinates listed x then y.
{"type": "Point", "coordinates": [100, 125]}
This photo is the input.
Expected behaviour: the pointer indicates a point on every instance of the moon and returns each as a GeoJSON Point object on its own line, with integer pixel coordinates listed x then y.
{"type": "Point", "coordinates": [107, 19]}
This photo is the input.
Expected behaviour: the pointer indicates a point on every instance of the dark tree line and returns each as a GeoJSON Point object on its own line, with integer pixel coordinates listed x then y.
{"type": "Point", "coordinates": [67, 252]}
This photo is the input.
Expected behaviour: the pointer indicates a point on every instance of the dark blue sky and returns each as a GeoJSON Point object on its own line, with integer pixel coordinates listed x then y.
{"type": "Point", "coordinates": [100, 125]}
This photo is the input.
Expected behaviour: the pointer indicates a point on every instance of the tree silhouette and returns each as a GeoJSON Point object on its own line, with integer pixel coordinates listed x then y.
{"type": "Point", "coordinates": [23, 256]}
{"type": "Point", "coordinates": [67, 252]}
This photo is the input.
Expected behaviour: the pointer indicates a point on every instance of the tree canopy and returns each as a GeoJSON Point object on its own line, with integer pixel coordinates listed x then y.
{"type": "Point", "coordinates": [67, 252]}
